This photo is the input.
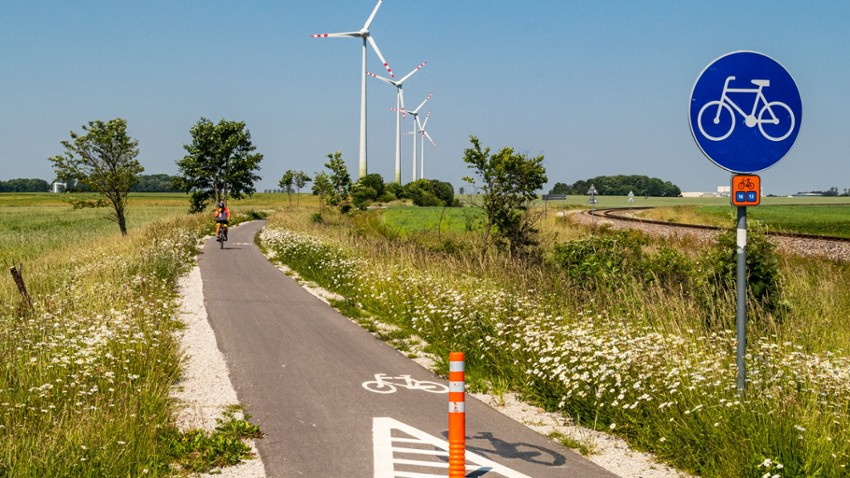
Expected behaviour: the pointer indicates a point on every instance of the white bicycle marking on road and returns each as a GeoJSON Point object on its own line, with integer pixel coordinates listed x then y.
{"type": "Point", "coordinates": [398, 445]}
{"type": "Point", "coordinates": [383, 383]}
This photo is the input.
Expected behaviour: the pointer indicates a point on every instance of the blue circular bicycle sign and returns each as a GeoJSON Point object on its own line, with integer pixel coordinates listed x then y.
{"type": "Point", "coordinates": [745, 112]}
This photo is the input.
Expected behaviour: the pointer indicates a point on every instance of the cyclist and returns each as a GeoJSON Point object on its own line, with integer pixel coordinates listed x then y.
{"type": "Point", "coordinates": [222, 216]}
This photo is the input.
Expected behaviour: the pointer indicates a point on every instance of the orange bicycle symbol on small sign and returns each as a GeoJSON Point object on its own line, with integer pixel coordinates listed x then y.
{"type": "Point", "coordinates": [746, 190]}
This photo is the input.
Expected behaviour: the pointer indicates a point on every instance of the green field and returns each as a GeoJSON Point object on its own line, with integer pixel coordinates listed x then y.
{"type": "Point", "coordinates": [824, 219]}
{"type": "Point", "coordinates": [40, 222]}
{"type": "Point", "coordinates": [826, 216]}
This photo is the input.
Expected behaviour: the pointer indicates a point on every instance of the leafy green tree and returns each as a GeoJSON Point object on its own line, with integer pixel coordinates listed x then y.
{"type": "Point", "coordinates": [367, 189]}
{"type": "Point", "coordinates": [103, 158]}
{"type": "Point", "coordinates": [430, 192]}
{"type": "Point", "coordinates": [508, 182]}
{"type": "Point", "coordinates": [220, 162]}
{"type": "Point", "coordinates": [621, 185]}
{"type": "Point", "coordinates": [293, 180]}
{"type": "Point", "coordinates": [323, 187]}
{"type": "Point", "coordinates": [392, 191]}
{"type": "Point", "coordinates": [340, 180]}
{"type": "Point", "coordinates": [300, 179]}
{"type": "Point", "coordinates": [421, 193]}
{"type": "Point", "coordinates": [287, 183]}
{"type": "Point", "coordinates": [24, 185]}
{"type": "Point", "coordinates": [559, 188]}
{"type": "Point", "coordinates": [155, 183]}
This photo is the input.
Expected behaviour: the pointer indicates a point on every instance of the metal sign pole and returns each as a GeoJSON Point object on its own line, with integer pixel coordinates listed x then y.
{"type": "Point", "coordinates": [738, 147]}
{"type": "Point", "coordinates": [741, 319]}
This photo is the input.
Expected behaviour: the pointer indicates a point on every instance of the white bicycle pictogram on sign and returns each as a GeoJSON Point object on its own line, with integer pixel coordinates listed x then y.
{"type": "Point", "coordinates": [382, 384]}
{"type": "Point", "coordinates": [725, 113]}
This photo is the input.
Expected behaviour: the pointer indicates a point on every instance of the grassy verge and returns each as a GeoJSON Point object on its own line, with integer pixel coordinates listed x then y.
{"type": "Point", "coordinates": [87, 370]}
{"type": "Point", "coordinates": [642, 360]}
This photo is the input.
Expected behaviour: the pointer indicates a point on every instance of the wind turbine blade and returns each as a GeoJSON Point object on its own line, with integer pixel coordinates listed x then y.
{"type": "Point", "coordinates": [429, 138]}
{"type": "Point", "coordinates": [423, 103]}
{"type": "Point", "coordinates": [372, 16]}
{"type": "Point", "coordinates": [426, 121]}
{"type": "Point", "coordinates": [412, 72]}
{"type": "Point", "coordinates": [380, 57]}
{"type": "Point", "coordinates": [401, 101]}
{"type": "Point", "coordinates": [385, 80]}
{"type": "Point", "coordinates": [396, 110]}
{"type": "Point", "coordinates": [336, 35]}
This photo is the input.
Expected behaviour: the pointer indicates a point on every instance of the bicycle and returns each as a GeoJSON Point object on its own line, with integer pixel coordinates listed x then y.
{"type": "Point", "coordinates": [746, 184]}
{"type": "Point", "coordinates": [726, 109]}
{"type": "Point", "coordinates": [222, 234]}
{"type": "Point", "coordinates": [381, 384]}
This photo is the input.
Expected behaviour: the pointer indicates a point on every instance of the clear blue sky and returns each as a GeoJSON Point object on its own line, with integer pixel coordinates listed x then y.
{"type": "Point", "coordinates": [597, 87]}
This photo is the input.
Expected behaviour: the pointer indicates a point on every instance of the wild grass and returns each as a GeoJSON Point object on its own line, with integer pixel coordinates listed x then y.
{"type": "Point", "coordinates": [643, 360]}
{"type": "Point", "coordinates": [87, 370]}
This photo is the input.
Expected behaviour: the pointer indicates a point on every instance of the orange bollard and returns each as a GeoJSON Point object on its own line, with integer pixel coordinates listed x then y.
{"type": "Point", "coordinates": [457, 416]}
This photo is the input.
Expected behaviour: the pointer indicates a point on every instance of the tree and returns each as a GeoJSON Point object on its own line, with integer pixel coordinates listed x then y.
{"type": "Point", "coordinates": [509, 182]}
{"type": "Point", "coordinates": [293, 179]}
{"type": "Point", "coordinates": [104, 158]}
{"type": "Point", "coordinates": [24, 185]}
{"type": "Point", "coordinates": [323, 187]}
{"type": "Point", "coordinates": [621, 185]}
{"type": "Point", "coordinates": [340, 180]}
{"type": "Point", "coordinates": [560, 188]}
{"type": "Point", "coordinates": [430, 192]}
{"type": "Point", "coordinates": [301, 179]}
{"type": "Point", "coordinates": [367, 189]}
{"type": "Point", "coordinates": [286, 183]}
{"type": "Point", "coordinates": [220, 163]}
{"type": "Point", "coordinates": [155, 183]}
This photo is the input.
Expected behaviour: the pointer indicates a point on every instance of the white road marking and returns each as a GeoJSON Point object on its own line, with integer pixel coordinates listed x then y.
{"type": "Point", "coordinates": [391, 452]}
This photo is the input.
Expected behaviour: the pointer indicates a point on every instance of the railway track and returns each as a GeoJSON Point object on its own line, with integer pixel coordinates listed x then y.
{"type": "Point", "coordinates": [808, 245]}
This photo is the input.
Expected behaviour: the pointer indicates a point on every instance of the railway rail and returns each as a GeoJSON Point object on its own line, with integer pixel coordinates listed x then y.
{"type": "Point", "coordinates": [807, 245]}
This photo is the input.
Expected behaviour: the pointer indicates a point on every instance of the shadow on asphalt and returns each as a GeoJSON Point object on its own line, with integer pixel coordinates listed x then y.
{"type": "Point", "coordinates": [520, 451]}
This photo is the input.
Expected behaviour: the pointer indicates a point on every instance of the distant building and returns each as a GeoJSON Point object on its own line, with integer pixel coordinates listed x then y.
{"type": "Point", "coordinates": [717, 194]}
{"type": "Point", "coordinates": [722, 192]}
{"type": "Point", "coordinates": [58, 187]}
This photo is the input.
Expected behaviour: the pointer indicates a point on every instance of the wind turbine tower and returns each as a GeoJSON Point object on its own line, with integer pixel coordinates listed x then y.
{"type": "Point", "coordinates": [424, 133]}
{"type": "Point", "coordinates": [415, 114]}
{"type": "Point", "coordinates": [365, 36]}
{"type": "Point", "coordinates": [399, 109]}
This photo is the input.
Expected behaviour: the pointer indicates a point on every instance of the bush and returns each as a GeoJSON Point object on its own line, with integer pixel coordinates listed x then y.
{"type": "Point", "coordinates": [763, 279]}
{"type": "Point", "coordinates": [600, 260]}
{"type": "Point", "coordinates": [362, 196]}
{"type": "Point", "coordinates": [429, 192]}
{"type": "Point", "coordinates": [620, 257]}
{"type": "Point", "coordinates": [395, 189]}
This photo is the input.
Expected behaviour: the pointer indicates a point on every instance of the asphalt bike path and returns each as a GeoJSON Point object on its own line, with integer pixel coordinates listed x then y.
{"type": "Point", "coordinates": [334, 401]}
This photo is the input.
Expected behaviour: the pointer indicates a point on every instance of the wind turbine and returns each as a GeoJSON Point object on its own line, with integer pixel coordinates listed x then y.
{"type": "Point", "coordinates": [415, 114]}
{"type": "Point", "coordinates": [363, 34]}
{"type": "Point", "coordinates": [424, 135]}
{"type": "Point", "coordinates": [399, 112]}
